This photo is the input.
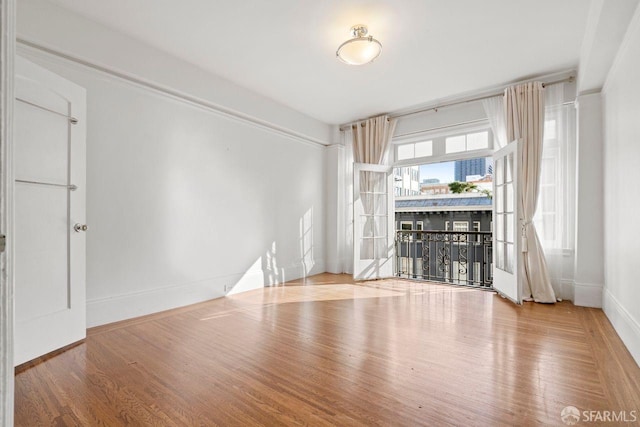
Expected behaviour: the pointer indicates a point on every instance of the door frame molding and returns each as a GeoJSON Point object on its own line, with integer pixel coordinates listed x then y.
{"type": "Point", "coordinates": [7, 57]}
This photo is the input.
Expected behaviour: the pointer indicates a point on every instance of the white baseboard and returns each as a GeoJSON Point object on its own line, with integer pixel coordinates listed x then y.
{"type": "Point", "coordinates": [121, 307]}
{"type": "Point", "coordinates": [334, 266]}
{"type": "Point", "coordinates": [258, 278]}
{"type": "Point", "coordinates": [347, 265]}
{"type": "Point", "coordinates": [587, 294]}
{"type": "Point", "coordinates": [564, 289]}
{"type": "Point", "coordinates": [582, 294]}
{"type": "Point", "coordinates": [625, 325]}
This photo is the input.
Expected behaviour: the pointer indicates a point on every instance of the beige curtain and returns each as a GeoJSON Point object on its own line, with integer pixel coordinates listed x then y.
{"type": "Point", "coordinates": [524, 108]}
{"type": "Point", "coordinates": [371, 139]}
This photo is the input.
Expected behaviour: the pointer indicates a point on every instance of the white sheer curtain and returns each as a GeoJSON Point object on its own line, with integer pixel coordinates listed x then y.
{"type": "Point", "coordinates": [524, 110]}
{"type": "Point", "coordinates": [347, 142]}
{"type": "Point", "coordinates": [494, 108]}
{"type": "Point", "coordinates": [555, 213]}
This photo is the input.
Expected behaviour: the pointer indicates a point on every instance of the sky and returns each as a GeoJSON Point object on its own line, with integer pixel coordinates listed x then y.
{"type": "Point", "coordinates": [442, 171]}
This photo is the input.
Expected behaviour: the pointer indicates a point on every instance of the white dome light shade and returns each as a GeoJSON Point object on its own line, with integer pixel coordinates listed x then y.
{"type": "Point", "coordinates": [361, 49]}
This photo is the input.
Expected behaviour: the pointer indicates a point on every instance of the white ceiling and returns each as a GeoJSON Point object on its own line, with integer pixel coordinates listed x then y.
{"type": "Point", "coordinates": [285, 49]}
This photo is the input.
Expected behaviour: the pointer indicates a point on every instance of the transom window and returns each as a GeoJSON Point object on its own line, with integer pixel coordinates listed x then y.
{"type": "Point", "coordinates": [432, 147]}
{"type": "Point", "coordinates": [467, 142]}
{"type": "Point", "coordinates": [415, 150]}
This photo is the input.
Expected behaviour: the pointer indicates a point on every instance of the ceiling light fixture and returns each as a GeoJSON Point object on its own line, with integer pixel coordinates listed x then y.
{"type": "Point", "coordinates": [361, 49]}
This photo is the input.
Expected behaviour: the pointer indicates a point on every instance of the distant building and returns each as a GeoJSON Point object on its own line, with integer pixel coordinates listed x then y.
{"type": "Point", "coordinates": [470, 212]}
{"type": "Point", "coordinates": [434, 188]}
{"type": "Point", "coordinates": [482, 183]}
{"type": "Point", "coordinates": [464, 168]}
{"type": "Point", "coordinates": [407, 181]}
{"type": "Point", "coordinates": [431, 181]}
{"type": "Point", "coordinates": [463, 258]}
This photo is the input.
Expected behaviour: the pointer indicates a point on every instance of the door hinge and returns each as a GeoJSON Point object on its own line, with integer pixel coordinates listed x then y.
{"type": "Point", "coordinates": [3, 242]}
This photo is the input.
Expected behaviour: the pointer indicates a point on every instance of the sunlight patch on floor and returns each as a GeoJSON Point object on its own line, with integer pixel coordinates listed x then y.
{"type": "Point", "coordinates": [328, 292]}
{"type": "Point", "coordinates": [301, 291]}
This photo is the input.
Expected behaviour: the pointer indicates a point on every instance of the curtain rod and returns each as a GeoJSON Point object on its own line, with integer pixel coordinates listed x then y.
{"type": "Point", "coordinates": [469, 122]}
{"type": "Point", "coordinates": [451, 104]}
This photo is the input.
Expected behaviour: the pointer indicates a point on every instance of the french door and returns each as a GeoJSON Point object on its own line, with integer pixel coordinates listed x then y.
{"type": "Point", "coordinates": [373, 220]}
{"type": "Point", "coordinates": [507, 256]}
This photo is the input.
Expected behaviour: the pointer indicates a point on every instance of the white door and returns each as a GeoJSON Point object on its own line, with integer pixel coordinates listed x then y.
{"type": "Point", "coordinates": [507, 259]}
{"type": "Point", "coordinates": [49, 194]}
{"type": "Point", "coordinates": [373, 221]}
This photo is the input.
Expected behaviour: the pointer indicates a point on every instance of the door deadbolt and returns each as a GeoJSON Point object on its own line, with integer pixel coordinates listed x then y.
{"type": "Point", "coordinates": [80, 227]}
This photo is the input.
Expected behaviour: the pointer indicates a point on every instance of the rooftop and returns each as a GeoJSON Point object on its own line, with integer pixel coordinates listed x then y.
{"type": "Point", "coordinates": [443, 203]}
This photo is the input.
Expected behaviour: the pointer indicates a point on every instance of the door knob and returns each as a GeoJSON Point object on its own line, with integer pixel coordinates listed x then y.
{"type": "Point", "coordinates": [80, 227]}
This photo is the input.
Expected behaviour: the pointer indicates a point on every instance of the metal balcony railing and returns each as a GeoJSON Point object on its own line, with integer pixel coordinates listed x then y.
{"type": "Point", "coordinates": [457, 257]}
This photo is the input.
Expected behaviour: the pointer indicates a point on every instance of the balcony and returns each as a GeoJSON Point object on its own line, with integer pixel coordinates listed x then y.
{"type": "Point", "coordinates": [456, 257]}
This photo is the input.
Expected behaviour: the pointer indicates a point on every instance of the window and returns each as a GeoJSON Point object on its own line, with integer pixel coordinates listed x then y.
{"type": "Point", "coordinates": [406, 225]}
{"type": "Point", "coordinates": [407, 181]}
{"type": "Point", "coordinates": [447, 225]}
{"type": "Point", "coordinates": [476, 227]}
{"type": "Point", "coordinates": [467, 142]}
{"type": "Point", "coordinates": [437, 144]}
{"type": "Point", "coordinates": [547, 199]}
{"type": "Point", "coordinates": [460, 226]}
{"type": "Point", "coordinates": [424, 149]}
{"type": "Point", "coordinates": [550, 131]}
{"type": "Point", "coordinates": [405, 152]}
{"type": "Point", "coordinates": [456, 144]}
{"type": "Point", "coordinates": [477, 141]}
{"type": "Point", "coordinates": [414, 150]}
{"type": "Point", "coordinates": [555, 208]}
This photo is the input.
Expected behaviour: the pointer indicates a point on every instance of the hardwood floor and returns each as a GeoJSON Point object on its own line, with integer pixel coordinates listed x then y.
{"type": "Point", "coordinates": [326, 351]}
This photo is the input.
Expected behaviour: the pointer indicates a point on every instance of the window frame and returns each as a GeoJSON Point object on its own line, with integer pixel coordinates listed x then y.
{"type": "Point", "coordinates": [409, 223]}
{"type": "Point", "coordinates": [438, 138]}
{"type": "Point", "coordinates": [554, 152]}
{"type": "Point", "coordinates": [457, 223]}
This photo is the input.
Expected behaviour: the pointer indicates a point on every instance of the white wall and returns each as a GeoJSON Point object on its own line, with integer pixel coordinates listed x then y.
{"type": "Point", "coordinates": [589, 264]}
{"type": "Point", "coordinates": [621, 298]}
{"type": "Point", "coordinates": [185, 204]}
{"type": "Point", "coordinates": [41, 22]}
{"type": "Point", "coordinates": [334, 181]}
{"type": "Point", "coordinates": [607, 23]}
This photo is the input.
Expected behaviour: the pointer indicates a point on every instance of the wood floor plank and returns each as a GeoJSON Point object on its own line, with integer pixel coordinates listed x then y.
{"type": "Point", "coordinates": [328, 351]}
